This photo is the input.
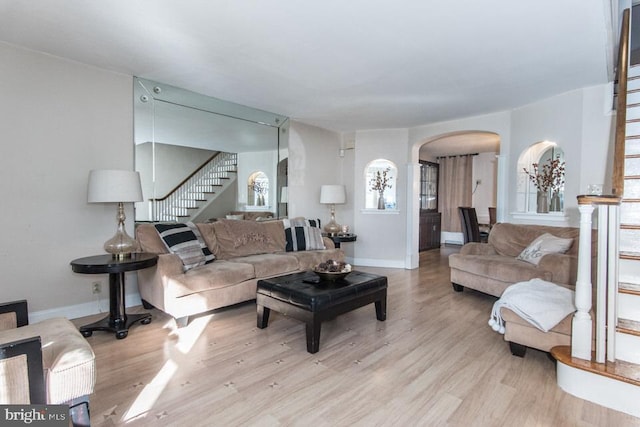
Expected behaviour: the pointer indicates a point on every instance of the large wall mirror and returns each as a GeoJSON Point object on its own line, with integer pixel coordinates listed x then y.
{"type": "Point", "coordinates": [201, 158]}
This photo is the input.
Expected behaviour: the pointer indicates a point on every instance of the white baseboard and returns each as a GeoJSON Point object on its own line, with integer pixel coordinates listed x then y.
{"type": "Point", "coordinates": [452, 238]}
{"type": "Point", "coordinates": [388, 263]}
{"type": "Point", "coordinates": [81, 310]}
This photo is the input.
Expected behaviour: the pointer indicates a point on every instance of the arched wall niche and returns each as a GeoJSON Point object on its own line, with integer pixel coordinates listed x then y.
{"type": "Point", "coordinates": [540, 156]}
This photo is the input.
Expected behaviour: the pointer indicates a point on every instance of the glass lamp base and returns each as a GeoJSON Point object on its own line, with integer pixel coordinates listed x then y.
{"type": "Point", "coordinates": [121, 245]}
{"type": "Point", "coordinates": [332, 227]}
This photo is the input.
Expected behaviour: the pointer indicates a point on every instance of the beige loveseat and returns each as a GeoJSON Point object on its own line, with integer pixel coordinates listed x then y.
{"type": "Point", "coordinates": [492, 267]}
{"type": "Point", "coordinates": [245, 251]}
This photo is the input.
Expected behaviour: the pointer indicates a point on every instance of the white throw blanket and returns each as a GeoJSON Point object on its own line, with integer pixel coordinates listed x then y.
{"type": "Point", "coordinates": [541, 303]}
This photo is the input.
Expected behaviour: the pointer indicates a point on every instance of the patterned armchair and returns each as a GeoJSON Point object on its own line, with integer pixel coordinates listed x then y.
{"type": "Point", "coordinates": [48, 362]}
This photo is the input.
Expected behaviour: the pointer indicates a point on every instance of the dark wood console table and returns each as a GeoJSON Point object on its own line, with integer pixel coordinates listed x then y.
{"type": "Point", "coordinates": [118, 320]}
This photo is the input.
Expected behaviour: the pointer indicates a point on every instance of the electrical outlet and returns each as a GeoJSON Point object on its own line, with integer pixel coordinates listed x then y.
{"type": "Point", "coordinates": [96, 287]}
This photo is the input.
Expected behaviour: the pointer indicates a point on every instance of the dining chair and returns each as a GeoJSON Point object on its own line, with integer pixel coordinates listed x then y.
{"type": "Point", "coordinates": [470, 227]}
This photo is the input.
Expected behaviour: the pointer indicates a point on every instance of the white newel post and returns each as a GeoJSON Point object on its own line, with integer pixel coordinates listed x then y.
{"type": "Point", "coordinates": [581, 335]}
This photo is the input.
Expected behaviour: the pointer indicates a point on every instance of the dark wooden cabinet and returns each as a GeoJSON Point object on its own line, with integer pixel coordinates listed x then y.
{"type": "Point", "coordinates": [429, 215]}
{"type": "Point", "coordinates": [429, 230]}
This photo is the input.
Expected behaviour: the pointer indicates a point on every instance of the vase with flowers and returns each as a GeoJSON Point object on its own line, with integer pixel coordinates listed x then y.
{"type": "Point", "coordinates": [380, 182]}
{"type": "Point", "coordinates": [548, 178]}
{"type": "Point", "coordinates": [259, 189]}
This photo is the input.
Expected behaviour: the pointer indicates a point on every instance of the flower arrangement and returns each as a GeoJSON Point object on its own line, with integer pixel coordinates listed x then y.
{"type": "Point", "coordinates": [548, 177]}
{"type": "Point", "coordinates": [380, 181]}
{"type": "Point", "coordinates": [259, 187]}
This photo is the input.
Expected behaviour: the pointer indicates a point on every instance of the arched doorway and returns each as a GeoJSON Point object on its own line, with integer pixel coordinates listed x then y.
{"type": "Point", "coordinates": [481, 183]}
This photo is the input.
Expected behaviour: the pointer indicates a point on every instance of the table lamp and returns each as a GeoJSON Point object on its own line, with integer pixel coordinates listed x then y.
{"type": "Point", "coordinates": [116, 186]}
{"type": "Point", "coordinates": [332, 195]}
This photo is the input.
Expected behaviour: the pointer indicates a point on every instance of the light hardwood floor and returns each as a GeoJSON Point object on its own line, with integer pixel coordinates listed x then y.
{"type": "Point", "coordinates": [433, 362]}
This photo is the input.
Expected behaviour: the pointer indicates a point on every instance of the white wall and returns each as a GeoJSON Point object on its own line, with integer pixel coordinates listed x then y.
{"type": "Point", "coordinates": [314, 161]}
{"type": "Point", "coordinates": [59, 119]}
{"type": "Point", "coordinates": [381, 234]}
{"type": "Point", "coordinates": [485, 169]}
{"type": "Point", "coordinates": [580, 123]}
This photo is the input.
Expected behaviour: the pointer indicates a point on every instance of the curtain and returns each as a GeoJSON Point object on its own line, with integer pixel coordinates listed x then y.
{"type": "Point", "coordinates": [454, 189]}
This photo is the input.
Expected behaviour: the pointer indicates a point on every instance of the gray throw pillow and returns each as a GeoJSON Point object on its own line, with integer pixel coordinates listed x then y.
{"type": "Point", "coordinates": [542, 245]}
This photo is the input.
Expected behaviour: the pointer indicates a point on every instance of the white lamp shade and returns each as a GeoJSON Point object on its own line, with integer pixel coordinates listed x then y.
{"type": "Point", "coordinates": [109, 185]}
{"type": "Point", "coordinates": [333, 194]}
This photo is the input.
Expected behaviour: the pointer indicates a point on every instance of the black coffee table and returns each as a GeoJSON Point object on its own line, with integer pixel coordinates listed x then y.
{"type": "Point", "coordinates": [296, 296]}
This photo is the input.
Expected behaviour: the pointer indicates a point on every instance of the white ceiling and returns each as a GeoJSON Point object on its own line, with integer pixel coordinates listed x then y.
{"type": "Point", "coordinates": [342, 65]}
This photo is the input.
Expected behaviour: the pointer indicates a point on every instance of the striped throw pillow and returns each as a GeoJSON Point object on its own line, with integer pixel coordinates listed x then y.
{"type": "Point", "coordinates": [303, 235]}
{"type": "Point", "coordinates": [185, 241]}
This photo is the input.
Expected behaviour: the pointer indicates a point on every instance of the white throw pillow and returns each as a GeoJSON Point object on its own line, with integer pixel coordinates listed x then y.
{"type": "Point", "coordinates": [544, 244]}
{"type": "Point", "coordinates": [236, 216]}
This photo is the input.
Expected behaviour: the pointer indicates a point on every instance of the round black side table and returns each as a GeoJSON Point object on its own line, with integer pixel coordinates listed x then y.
{"type": "Point", "coordinates": [118, 320]}
{"type": "Point", "coordinates": [342, 238]}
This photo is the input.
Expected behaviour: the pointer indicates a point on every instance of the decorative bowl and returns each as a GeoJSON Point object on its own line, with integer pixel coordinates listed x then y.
{"type": "Point", "coordinates": [327, 276]}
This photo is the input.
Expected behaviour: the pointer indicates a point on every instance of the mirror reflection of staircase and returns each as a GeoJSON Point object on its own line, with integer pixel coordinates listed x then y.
{"type": "Point", "coordinates": [197, 191]}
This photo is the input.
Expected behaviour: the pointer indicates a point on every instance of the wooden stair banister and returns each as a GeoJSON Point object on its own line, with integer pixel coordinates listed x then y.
{"type": "Point", "coordinates": [617, 187]}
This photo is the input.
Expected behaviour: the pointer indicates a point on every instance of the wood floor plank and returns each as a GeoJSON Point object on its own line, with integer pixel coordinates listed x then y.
{"type": "Point", "coordinates": [433, 362]}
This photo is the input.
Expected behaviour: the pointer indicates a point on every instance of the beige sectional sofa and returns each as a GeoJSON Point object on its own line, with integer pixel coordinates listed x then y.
{"type": "Point", "coordinates": [492, 267]}
{"type": "Point", "coordinates": [245, 251]}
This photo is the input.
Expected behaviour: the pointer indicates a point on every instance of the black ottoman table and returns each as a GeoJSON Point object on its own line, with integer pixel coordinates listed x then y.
{"type": "Point", "coordinates": [303, 297]}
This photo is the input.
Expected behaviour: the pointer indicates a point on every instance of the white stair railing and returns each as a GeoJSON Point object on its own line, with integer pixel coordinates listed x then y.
{"type": "Point", "coordinates": [606, 280]}
{"type": "Point", "coordinates": [581, 327]}
{"type": "Point", "coordinates": [195, 190]}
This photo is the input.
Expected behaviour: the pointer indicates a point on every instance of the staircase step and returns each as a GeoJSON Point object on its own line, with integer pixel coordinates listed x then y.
{"type": "Point", "coordinates": [629, 255]}
{"type": "Point", "coordinates": [629, 238]}
{"type": "Point", "coordinates": [628, 306]}
{"type": "Point", "coordinates": [621, 371]}
{"type": "Point", "coordinates": [628, 326]}
{"type": "Point", "coordinates": [632, 164]}
{"type": "Point", "coordinates": [632, 127]}
{"type": "Point", "coordinates": [614, 385]}
{"type": "Point", "coordinates": [629, 288]}
{"type": "Point", "coordinates": [629, 227]}
{"type": "Point", "coordinates": [627, 346]}
{"type": "Point", "coordinates": [632, 146]}
{"type": "Point", "coordinates": [630, 211]}
{"type": "Point", "coordinates": [631, 187]}
{"type": "Point", "coordinates": [633, 96]}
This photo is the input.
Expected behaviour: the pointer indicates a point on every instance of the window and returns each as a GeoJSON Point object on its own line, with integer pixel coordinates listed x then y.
{"type": "Point", "coordinates": [384, 172]}
{"type": "Point", "coordinates": [540, 155]}
{"type": "Point", "coordinates": [258, 189]}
